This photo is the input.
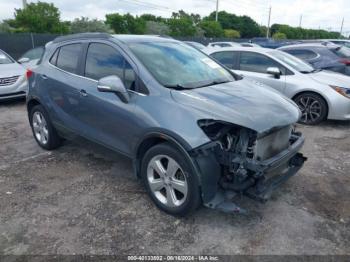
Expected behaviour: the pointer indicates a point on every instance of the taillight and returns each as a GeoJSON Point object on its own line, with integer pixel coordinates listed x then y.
{"type": "Point", "coordinates": [29, 73]}
{"type": "Point", "coordinates": [345, 61]}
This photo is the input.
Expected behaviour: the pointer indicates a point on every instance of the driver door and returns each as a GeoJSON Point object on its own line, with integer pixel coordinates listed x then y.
{"type": "Point", "coordinates": [104, 117]}
{"type": "Point", "coordinates": [254, 66]}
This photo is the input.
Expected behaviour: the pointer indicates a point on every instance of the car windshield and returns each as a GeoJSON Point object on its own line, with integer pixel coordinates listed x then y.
{"type": "Point", "coordinates": [177, 65]}
{"type": "Point", "coordinates": [4, 58]}
{"type": "Point", "coordinates": [343, 52]}
{"type": "Point", "coordinates": [292, 61]}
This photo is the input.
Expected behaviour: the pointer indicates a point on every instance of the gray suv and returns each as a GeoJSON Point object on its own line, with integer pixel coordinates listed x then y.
{"type": "Point", "coordinates": [197, 133]}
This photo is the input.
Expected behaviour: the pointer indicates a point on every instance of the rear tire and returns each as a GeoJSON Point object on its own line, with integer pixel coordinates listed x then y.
{"type": "Point", "coordinates": [313, 108]}
{"type": "Point", "coordinates": [170, 180]}
{"type": "Point", "coordinates": [43, 131]}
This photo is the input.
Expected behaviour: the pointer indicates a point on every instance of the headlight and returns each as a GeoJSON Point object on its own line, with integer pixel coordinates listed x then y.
{"type": "Point", "coordinates": [342, 90]}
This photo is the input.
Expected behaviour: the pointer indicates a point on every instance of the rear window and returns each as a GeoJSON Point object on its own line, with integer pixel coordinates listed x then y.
{"type": "Point", "coordinates": [343, 52]}
{"type": "Point", "coordinates": [302, 54]}
{"type": "Point", "coordinates": [5, 59]}
{"type": "Point", "coordinates": [68, 57]}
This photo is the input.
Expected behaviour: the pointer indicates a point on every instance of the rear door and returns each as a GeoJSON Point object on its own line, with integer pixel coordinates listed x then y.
{"type": "Point", "coordinates": [254, 66]}
{"type": "Point", "coordinates": [61, 83]}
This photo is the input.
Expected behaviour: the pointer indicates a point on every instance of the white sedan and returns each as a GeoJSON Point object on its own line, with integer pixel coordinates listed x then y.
{"type": "Point", "coordinates": [13, 81]}
{"type": "Point", "coordinates": [319, 94]}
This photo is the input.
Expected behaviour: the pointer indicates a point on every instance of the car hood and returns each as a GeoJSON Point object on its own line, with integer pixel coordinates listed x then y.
{"type": "Point", "coordinates": [243, 103]}
{"type": "Point", "coordinates": [13, 69]}
{"type": "Point", "coordinates": [331, 78]}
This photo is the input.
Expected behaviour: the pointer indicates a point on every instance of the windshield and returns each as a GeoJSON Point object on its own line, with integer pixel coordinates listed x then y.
{"type": "Point", "coordinates": [343, 52]}
{"type": "Point", "coordinates": [4, 58]}
{"type": "Point", "coordinates": [292, 61]}
{"type": "Point", "coordinates": [177, 65]}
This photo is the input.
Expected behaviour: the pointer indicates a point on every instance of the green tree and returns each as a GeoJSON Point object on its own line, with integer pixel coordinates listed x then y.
{"type": "Point", "coordinates": [182, 24]}
{"type": "Point", "coordinates": [230, 33]}
{"type": "Point", "coordinates": [84, 24]}
{"type": "Point", "coordinates": [38, 17]}
{"type": "Point", "coordinates": [244, 24]}
{"type": "Point", "coordinates": [156, 28]}
{"type": "Point", "coordinates": [279, 36]}
{"type": "Point", "coordinates": [211, 29]}
{"type": "Point", "coordinates": [5, 27]}
{"type": "Point", "coordinates": [126, 24]}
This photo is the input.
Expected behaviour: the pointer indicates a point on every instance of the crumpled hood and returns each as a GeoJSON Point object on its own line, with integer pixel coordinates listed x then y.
{"type": "Point", "coordinates": [331, 78]}
{"type": "Point", "coordinates": [13, 69]}
{"type": "Point", "coordinates": [243, 103]}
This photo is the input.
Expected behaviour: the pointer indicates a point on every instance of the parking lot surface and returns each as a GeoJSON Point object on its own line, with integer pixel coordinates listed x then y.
{"type": "Point", "coordinates": [83, 199]}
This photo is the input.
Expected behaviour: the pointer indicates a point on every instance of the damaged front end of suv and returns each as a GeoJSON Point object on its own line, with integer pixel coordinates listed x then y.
{"type": "Point", "coordinates": [239, 160]}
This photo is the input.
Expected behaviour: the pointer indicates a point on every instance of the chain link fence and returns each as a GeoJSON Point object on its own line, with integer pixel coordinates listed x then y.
{"type": "Point", "coordinates": [17, 44]}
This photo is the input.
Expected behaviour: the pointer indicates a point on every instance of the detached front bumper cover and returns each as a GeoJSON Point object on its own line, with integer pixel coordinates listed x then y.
{"type": "Point", "coordinates": [258, 186]}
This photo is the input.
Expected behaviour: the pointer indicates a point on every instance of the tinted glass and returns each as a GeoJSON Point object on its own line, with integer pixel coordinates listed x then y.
{"type": "Point", "coordinates": [35, 53]}
{"type": "Point", "coordinates": [53, 59]}
{"type": "Point", "coordinates": [226, 58]}
{"type": "Point", "coordinates": [292, 61]}
{"type": "Point", "coordinates": [68, 57]}
{"type": "Point", "coordinates": [103, 60]}
{"type": "Point", "coordinates": [302, 54]}
{"type": "Point", "coordinates": [4, 58]}
{"type": "Point", "coordinates": [254, 62]}
{"type": "Point", "coordinates": [343, 52]}
{"type": "Point", "coordinates": [175, 64]}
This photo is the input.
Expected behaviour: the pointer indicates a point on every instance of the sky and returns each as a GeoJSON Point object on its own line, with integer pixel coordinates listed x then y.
{"type": "Point", "coordinates": [324, 14]}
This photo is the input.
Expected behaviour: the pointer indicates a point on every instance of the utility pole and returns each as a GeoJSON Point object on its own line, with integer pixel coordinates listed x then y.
{"type": "Point", "coordinates": [24, 2]}
{"type": "Point", "coordinates": [341, 28]}
{"type": "Point", "coordinates": [268, 25]}
{"type": "Point", "coordinates": [300, 20]}
{"type": "Point", "coordinates": [217, 10]}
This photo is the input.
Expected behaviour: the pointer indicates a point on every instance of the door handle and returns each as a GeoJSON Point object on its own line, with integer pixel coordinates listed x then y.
{"type": "Point", "coordinates": [44, 77]}
{"type": "Point", "coordinates": [83, 92]}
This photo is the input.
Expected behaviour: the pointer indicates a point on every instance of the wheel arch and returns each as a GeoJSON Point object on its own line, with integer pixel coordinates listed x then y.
{"type": "Point", "coordinates": [31, 103]}
{"type": "Point", "coordinates": [153, 138]}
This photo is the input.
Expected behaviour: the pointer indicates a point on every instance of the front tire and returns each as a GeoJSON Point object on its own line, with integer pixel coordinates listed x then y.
{"type": "Point", "coordinates": [170, 180]}
{"type": "Point", "coordinates": [43, 131]}
{"type": "Point", "coordinates": [313, 108]}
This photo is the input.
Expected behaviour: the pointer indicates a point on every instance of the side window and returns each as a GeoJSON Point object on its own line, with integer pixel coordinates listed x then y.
{"type": "Point", "coordinates": [53, 59]}
{"type": "Point", "coordinates": [68, 57]}
{"type": "Point", "coordinates": [103, 60]}
{"type": "Point", "coordinates": [303, 54]}
{"type": "Point", "coordinates": [254, 62]}
{"type": "Point", "coordinates": [226, 58]}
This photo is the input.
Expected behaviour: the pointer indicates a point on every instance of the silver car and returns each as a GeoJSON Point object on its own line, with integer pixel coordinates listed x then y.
{"type": "Point", "coordinates": [13, 81]}
{"type": "Point", "coordinates": [320, 94]}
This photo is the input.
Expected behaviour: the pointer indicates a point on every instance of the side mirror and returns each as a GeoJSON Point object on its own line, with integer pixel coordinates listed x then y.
{"type": "Point", "coordinates": [23, 60]}
{"type": "Point", "coordinates": [275, 71]}
{"type": "Point", "coordinates": [113, 84]}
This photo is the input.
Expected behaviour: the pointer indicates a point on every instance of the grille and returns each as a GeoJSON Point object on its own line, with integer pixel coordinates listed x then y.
{"type": "Point", "coordinates": [8, 80]}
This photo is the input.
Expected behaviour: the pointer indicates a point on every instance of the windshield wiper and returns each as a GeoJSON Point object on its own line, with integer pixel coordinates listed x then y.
{"type": "Point", "coordinates": [177, 87]}
{"type": "Point", "coordinates": [216, 82]}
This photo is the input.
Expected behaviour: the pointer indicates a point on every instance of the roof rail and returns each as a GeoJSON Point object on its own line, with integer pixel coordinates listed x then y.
{"type": "Point", "coordinates": [80, 36]}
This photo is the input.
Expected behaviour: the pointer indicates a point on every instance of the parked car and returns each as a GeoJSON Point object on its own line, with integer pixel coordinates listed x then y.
{"type": "Point", "coordinates": [320, 94]}
{"type": "Point", "coordinates": [193, 128]}
{"type": "Point", "coordinates": [13, 82]}
{"type": "Point", "coordinates": [223, 44]}
{"type": "Point", "coordinates": [247, 44]}
{"type": "Point", "coordinates": [196, 45]}
{"type": "Point", "coordinates": [322, 56]}
{"type": "Point", "coordinates": [31, 57]}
